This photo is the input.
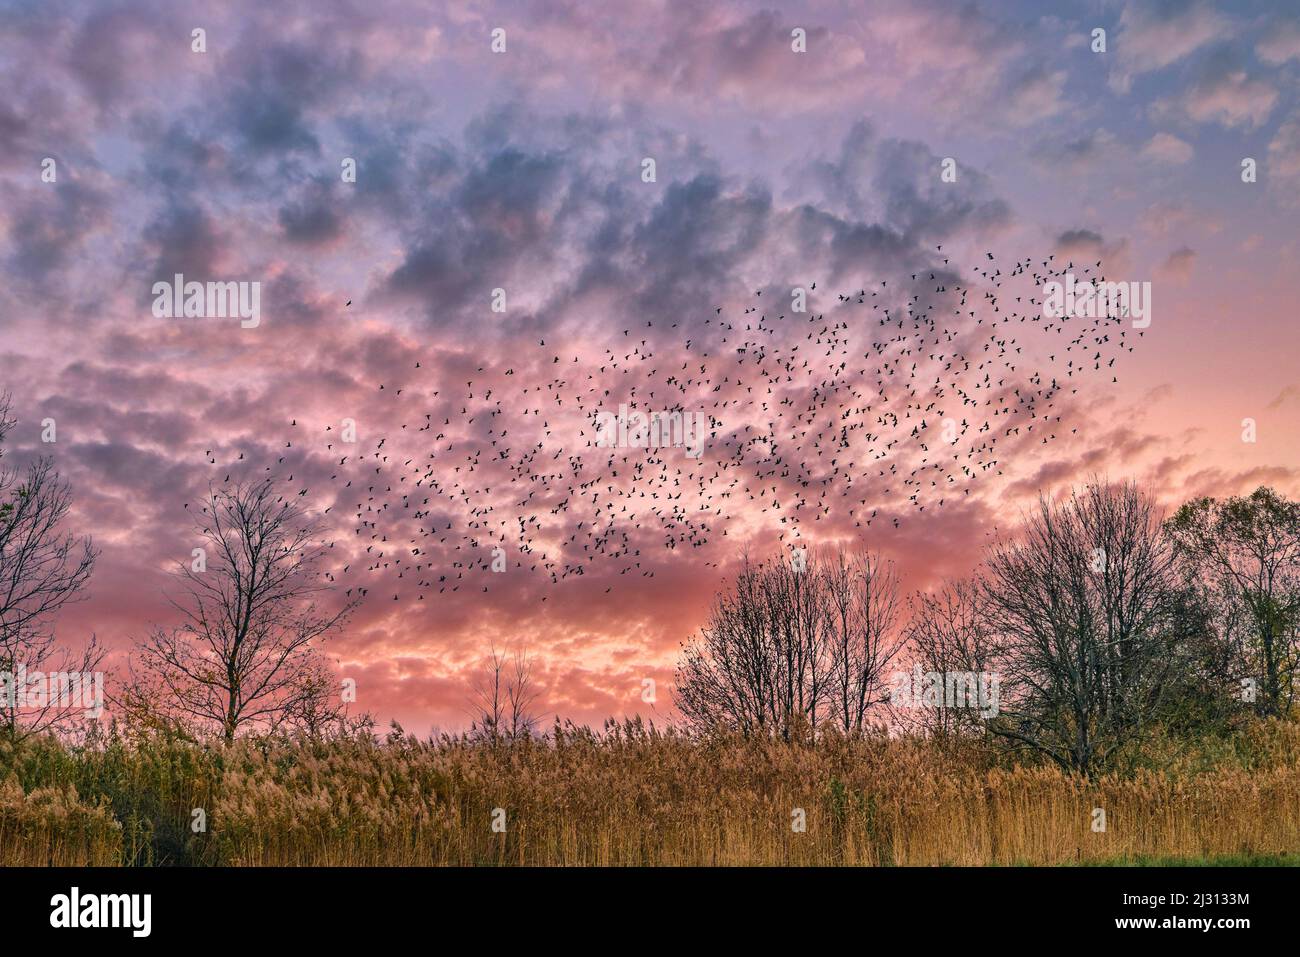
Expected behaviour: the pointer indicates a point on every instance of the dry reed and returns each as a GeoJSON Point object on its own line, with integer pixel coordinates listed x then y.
{"type": "Point", "coordinates": [637, 796]}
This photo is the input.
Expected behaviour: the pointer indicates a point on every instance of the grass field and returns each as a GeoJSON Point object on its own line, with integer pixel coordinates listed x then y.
{"type": "Point", "coordinates": [634, 796]}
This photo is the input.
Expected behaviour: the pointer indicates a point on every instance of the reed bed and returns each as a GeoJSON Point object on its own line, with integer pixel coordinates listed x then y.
{"type": "Point", "coordinates": [634, 795]}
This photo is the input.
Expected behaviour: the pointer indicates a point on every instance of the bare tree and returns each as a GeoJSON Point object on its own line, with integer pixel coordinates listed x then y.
{"type": "Point", "coordinates": [245, 654]}
{"type": "Point", "coordinates": [522, 696]}
{"type": "Point", "coordinates": [797, 642]}
{"type": "Point", "coordinates": [862, 620]}
{"type": "Point", "coordinates": [41, 571]}
{"type": "Point", "coordinates": [797, 612]}
{"type": "Point", "coordinates": [748, 670]}
{"type": "Point", "coordinates": [1083, 604]}
{"type": "Point", "coordinates": [503, 696]}
{"type": "Point", "coordinates": [1242, 555]}
{"type": "Point", "coordinates": [949, 632]}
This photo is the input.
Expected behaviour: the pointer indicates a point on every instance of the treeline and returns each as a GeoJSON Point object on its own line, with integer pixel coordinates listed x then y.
{"type": "Point", "coordinates": [1097, 624]}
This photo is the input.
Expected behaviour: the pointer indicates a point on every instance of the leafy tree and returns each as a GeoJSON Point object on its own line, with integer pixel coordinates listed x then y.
{"type": "Point", "coordinates": [1243, 556]}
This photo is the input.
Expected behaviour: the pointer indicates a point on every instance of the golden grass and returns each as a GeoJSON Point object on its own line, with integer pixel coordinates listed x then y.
{"type": "Point", "coordinates": [633, 796]}
{"type": "Point", "coordinates": [52, 827]}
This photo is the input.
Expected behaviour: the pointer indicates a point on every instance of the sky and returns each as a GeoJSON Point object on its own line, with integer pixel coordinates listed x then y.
{"type": "Point", "coordinates": [523, 170]}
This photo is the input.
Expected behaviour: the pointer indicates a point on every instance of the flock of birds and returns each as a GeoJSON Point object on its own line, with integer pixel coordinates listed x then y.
{"type": "Point", "coordinates": [893, 398]}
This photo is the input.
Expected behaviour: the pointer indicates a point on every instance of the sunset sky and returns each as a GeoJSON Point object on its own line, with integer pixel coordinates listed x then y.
{"type": "Point", "coordinates": [522, 170]}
